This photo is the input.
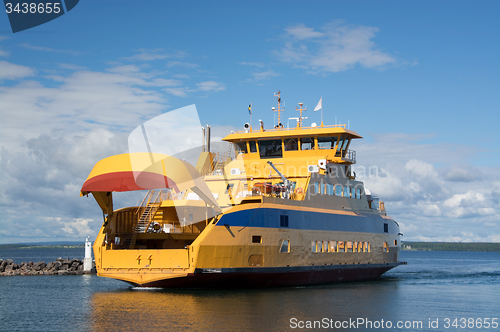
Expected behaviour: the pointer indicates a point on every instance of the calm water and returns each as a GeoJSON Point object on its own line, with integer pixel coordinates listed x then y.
{"type": "Point", "coordinates": [434, 285]}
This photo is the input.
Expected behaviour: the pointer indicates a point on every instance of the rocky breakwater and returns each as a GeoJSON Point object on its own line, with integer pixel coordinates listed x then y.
{"type": "Point", "coordinates": [59, 267]}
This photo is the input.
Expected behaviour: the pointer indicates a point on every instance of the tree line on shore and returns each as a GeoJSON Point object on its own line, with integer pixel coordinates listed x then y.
{"type": "Point", "coordinates": [451, 246]}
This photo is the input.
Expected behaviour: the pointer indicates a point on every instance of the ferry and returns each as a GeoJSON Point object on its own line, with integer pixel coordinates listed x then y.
{"type": "Point", "coordinates": [282, 208]}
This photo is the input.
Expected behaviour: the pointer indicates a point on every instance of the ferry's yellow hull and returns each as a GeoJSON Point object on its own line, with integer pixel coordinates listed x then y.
{"type": "Point", "coordinates": [241, 249]}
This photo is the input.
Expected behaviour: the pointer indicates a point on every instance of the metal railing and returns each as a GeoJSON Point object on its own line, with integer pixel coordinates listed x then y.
{"type": "Point", "coordinates": [350, 155]}
{"type": "Point", "coordinates": [294, 128]}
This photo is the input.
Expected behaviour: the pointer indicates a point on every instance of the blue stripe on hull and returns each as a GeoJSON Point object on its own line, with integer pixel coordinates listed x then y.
{"type": "Point", "coordinates": [308, 220]}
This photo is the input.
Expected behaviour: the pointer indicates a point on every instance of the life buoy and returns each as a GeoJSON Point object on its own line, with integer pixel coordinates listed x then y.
{"type": "Point", "coordinates": [156, 227]}
{"type": "Point", "coordinates": [299, 191]}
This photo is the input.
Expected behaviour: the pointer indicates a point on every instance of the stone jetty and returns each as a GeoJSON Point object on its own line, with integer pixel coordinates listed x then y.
{"type": "Point", "coordinates": [59, 267]}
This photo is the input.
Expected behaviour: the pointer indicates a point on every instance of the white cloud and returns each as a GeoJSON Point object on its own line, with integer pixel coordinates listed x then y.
{"type": "Point", "coordinates": [412, 178]}
{"type": "Point", "coordinates": [154, 54]}
{"type": "Point", "coordinates": [211, 86]}
{"type": "Point", "coordinates": [49, 49]}
{"type": "Point", "coordinates": [255, 64]}
{"type": "Point", "coordinates": [71, 66]}
{"type": "Point", "coordinates": [82, 101]}
{"type": "Point", "coordinates": [265, 75]}
{"type": "Point", "coordinates": [182, 64]}
{"type": "Point", "coordinates": [53, 133]}
{"type": "Point", "coordinates": [339, 47]}
{"type": "Point", "coordinates": [3, 53]}
{"type": "Point", "coordinates": [463, 174]}
{"type": "Point", "coordinates": [300, 31]}
{"type": "Point", "coordinates": [11, 71]}
{"type": "Point", "coordinates": [179, 92]}
{"type": "Point", "coordinates": [126, 69]}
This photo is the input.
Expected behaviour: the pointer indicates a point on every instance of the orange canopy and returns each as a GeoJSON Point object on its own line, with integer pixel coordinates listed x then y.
{"type": "Point", "coordinates": [127, 172]}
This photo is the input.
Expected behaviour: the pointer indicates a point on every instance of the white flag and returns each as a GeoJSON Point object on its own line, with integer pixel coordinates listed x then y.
{"type": "Point", "coordinates": [319, 106]}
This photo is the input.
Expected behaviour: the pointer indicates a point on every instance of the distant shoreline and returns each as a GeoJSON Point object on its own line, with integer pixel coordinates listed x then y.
{"type": "Point", "coordinates": [451, 246]}
{"type": "Point", "coordinates": [38, 246]}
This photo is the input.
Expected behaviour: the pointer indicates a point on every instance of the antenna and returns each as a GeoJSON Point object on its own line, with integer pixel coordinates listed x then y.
{"type": "Point", "coordinates": [299, 123]}
{"type": "Point", "coordinates": [279, 110]}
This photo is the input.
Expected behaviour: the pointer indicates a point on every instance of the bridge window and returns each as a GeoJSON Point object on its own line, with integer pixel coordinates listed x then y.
{"type": "Point", "coordinates": [253, 146]}
{"type": "Point", "coordinates": [327, 142]}
{"type": "Point", "coordinates": [285, 246]}
{"type": "Point", "coordinates": [358, 193]}
{"type": "Point", "coordinates": [291, 144]}
{"type": "Point", "coordinates": [307, 143]}
{"type": "Point", "coordinates": [241, 147]}
{"type": "Point", "coordinates": [270, 149]}
{"type": "Point", "coordinates": [339, 146]}
{"type": "Point", "coordinates": [342, 146]}
{"type": "Point", "coordinates": [347, 192]}
{"type": "Point", "coordinates": [313, 246]}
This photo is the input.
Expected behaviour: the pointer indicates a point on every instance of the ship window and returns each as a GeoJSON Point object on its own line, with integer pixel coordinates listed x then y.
{"type": "Point", "coordinates": [347, 192]}
{"type": "Point", "coordinates": [253, 146]}
{"type": "Point", "coordinates": [358, 193]}
{"type": "Point", "coordinates": [355, 246]}
{"type": "Point", "coordinates": [285, 246]}
{"type": "Point", "coordinates": [307, 143]}
{"type": "Point", "coordinates": [341, 246]}
{"type": "Point", "coordinates": [291, 144]}
{"type": "Point", "coordinates": [339, 147]}
{"type": "Point", "coordinates": [349, 246]}
{"type": "Point", "coordinates": [329, 189]}
{"type": "Point", "coordinates": [241, 147]}
{"type": "Point", "coordinates": [395, 242]}
{"type": "Point", "coordinates": [326, 247]}
{"type": "Point", "coordinates": [346, 142]}
{"type": "Point", "coordinates": [313, 246]}
{"type": "Point", "coordinates": [283, 221]}
{"type": "Point", "coordinates": [333, 246]}
{"type": "Point", "coordinates": [368, 247]}
{"type": "Point", "coordinates": [338, 190]}
{"type": "Point", "coordinates": [256, 239]}
{"type": "Point", "coordinates": [386, 247]}
{"type": "Point", "coordinates": [270, 149]}
{"type": "Point", "coordinates": [326, 142]}
{"type": "Point", "coordinates": [386, 228]}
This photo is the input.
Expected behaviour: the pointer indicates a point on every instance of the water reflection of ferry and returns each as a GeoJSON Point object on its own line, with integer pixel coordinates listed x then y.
{"type": "Point", "coordinates": [284, 209]}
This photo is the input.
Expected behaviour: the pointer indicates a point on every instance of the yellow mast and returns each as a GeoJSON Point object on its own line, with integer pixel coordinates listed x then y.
{"type": "Point", "coordinates": [279, 110]}
{"type": "Point", "coordinates": [299, 123]}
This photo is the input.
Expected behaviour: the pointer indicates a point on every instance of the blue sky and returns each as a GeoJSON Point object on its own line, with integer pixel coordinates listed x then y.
{"type": "Point", "coordinates": [420, 80]}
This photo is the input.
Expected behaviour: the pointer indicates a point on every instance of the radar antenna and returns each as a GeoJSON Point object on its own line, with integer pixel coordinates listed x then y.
{"type": "Point", "coordinates": [299, 123]}
{"type": "Point", "coordinates": [279, 110]}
